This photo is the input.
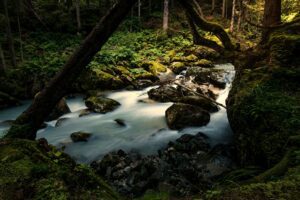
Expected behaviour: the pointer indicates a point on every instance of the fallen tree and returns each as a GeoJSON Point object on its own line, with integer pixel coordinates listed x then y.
{"type": "Point", "coordinates": [27, 124]}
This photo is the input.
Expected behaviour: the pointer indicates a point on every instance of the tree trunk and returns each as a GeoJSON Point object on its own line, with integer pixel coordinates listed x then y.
{"type": "Point", "coordinates": [78, 18]}
{"type": "Point", "coordinates": [139, 10]}
{"type": "Point", "coordinates": [213, 5]}
{"type": "Point", "coordinates": [199, 9]}
{"type": "Point", "coordinates": [206, 26]}
{"type": "Point", "coordinates": [166, 15]}
{"type": "Point", "coordinates": [199, 40]}
{"type": "Point", "coordinates": [10, 39]}
{"type": "Point", "coordinates": [20, 30]}
{"type": "Point", "coordinates": [2, 64]}
{"type": "Point", "coordinates": [29, 121]}
{"type": "Point", "coordinates": [232, 16]}
{"type": "Point", "coordinates": [224, 9]}
{"type": "Point", "coordinates": [272, 16]}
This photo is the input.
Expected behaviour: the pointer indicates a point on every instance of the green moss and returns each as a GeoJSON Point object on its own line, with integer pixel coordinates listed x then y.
{"type": "Point", "coordinates": [29, 171]}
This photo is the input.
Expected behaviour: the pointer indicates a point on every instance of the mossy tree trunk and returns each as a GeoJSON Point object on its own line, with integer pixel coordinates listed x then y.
{"type": "Point", "coordinates": [27, 124]}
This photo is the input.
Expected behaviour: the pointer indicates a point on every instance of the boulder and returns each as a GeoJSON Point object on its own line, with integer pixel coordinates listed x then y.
{"type": "Point", "coordinates": [7, 101]}
{"type": "Point", "coordinates": [60, 109]}
{"type": "Point", "coordinates": [140, 73]}
{"type": "Point", "coordinates": [165, 93]}
{"type": "Point", "coordinates": [191, 58]}
{"type": "Point", "coordinates": [84, 112]}
{"type": "Point", "coordinates": [120, 122]}
{"type": "Point", "coordinates": [80, 136]}
{"type": "Point", "coordinates": [178, 67]}
{"type": "Point", "coordinates": [181, 115]}
{"type": "Point", "coordinates": [214, 78]}
{"type": "Point", "coordinates": [204, 63]}
{"type": "Point", "coordinates": [154, 67]}
{"type": "Point", "coordinates": [101, 104]}
{"type": "Point", "coordinates": [199, 101]}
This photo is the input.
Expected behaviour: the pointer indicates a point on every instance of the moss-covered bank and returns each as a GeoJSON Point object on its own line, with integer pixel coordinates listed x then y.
{"type": "Point", "coordinates": [35, 170]}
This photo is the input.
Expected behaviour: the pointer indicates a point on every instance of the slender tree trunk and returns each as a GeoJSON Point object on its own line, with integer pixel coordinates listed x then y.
{"type": "Point", "coordinates": [199, 9]}
{"type": "Point", "coordinates": [10, 39]}
{"type": "Point", "coordinates": [78, 18]}
{"type": "Point", "coordinates": [272, 16]}
{"type": "Point", "coordinates": [206, 26]}
{"type": "Point", "coordinates": [150, 6]}
{"type": "Point", "coordinates": [224, 9]}
{"type": "Point", "coordinates": [213, 5]}
{"type": "Point", "coordinates": [139, 10]}
{"type": "Point", "coordinates": [2, 64]}
{"type": "Point", "coordinates": [232, 16]}
{"type": "Point", "coordinates": [29, 121]}
{"type": "Point", "coordinates": [166, 15]}
{"type": "Point", "coordinates": [20, 29]}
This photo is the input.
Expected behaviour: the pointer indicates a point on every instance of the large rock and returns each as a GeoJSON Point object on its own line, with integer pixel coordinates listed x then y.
{"type": "Point", "coordinates": [199, 101]}
{"type": "Point", "coordinates": [154, 67]}
{"type": "Point", "coordinates": [165, 93]}
{"type": "Point", "coordinates": [101, 104]}
{"type": "Point", "coordinates": [7, 100]}
{"type": "Point", "coordinates": [178, 67]}
{"type": "Point", "coordinates": [181, 115]}
{"type": "Point", "coordinates": [60, 109]}
{"type": "Point", "coordinates": [80, 136]}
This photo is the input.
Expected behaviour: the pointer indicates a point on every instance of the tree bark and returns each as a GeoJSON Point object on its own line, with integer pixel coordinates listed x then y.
{"type": "Point", "coordinates": [232, 16]}
{"type": "Point", "coordinates": [213, 5]}
{"type": "Point", "coordinates": [272, 16]}
{"type": "Point", "coordinates": [78, 18]}
{"type": "Point", "coordinates": [2, 64]}
{"type": "Point", "coordinates": [10, 39]}
{"type": "Point", "coordinates": [29, 121]}
{"type": "Point", "coordinates": [224, 9]}
{"type": "Point", "coordinates": [20, 29]}
{"type": "Point", "coordinates": [166, 15]}
{"type": "Point", "coordinates": [207, 26]}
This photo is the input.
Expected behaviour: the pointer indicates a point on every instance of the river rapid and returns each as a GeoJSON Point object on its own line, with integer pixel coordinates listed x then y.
{"type": "Point", "coordinates": [146, 130]}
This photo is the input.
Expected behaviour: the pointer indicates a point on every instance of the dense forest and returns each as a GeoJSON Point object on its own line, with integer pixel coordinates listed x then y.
{"type": "Point", "coordinates": [150, 99]}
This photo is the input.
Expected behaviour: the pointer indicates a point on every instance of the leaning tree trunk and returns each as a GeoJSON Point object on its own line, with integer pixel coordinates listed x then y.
{"type": "Point", "coordinates": [9, 36]}
{"type": "Point", "coordinates": [207, 26]}
{"type": "Point", "coordinates": [272, 16]}
{"type": "Point", "coordinates": [29, 121]}
{"type": "Point", "coordinates": [199, 40]}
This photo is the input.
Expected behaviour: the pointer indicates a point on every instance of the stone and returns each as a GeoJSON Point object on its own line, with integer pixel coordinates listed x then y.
{"type": "Point", "coordinates": [199, 101]}
{"type": "Point", "coordinates": [120, 122]}
{"type": "Point", "coordinates": [181, 115]}
{"type": "Point", "coordinates": [178, 67]}
{"type": "Point", "coordinates": [164, 93]}
{"type": "Point", "coordinates": [60, 109]}
{"type": "Point", "coordinates": [101, 104]}
{"type": "Point", "coordinates": [80, 136]}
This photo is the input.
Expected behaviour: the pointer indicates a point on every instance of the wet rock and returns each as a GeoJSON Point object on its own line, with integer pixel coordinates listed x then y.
{"type": "Point", "coordinates": [101, 104]}
{"type": "Point", "coordinates": [120, 122]}
{"type": "Point", "coordinates": [141, 84]}
{"type": "Point", "coordinates": [164, 93]}
{"type": "Point", "coordinates": [154, 67]}
{"type": "Point", "coordinates": [199, 101]}
{"type": "Point", "coordinates": [215, 78]}
{"type": "Point", "coordinates": [60, 109]}
{"type": "Point", "coordinates": [84, 112]}
{"type": "Point", "coordinates": [80, 136]}
{"type": "Point", "coordinates": [60, 121]}
{"type": "Point", "coordinates": [7, 101]}
{"type": "Point", "coordinates": [181, 115]}
{"type": "Point", "coordinates": [191, 58]}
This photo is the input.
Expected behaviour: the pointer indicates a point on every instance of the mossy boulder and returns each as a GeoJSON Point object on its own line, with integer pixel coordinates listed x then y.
{"type": "Point", "coordinates": [178, 67]}
{"type": "Point", "coordinates": [204, 63]}
{"type": "Point", "coordinates": [8, 101]}
{"type": "Point", "coordinates": [191, 58]}
{"type": "Point", "coordinates": [181, 115]}
{"type": "Point", "coordinates": [165, 93]}
{"type": "Point", "coordinates": [36, 170]}
{"type": "Point", "coordinates": [154, 67]}
{"type": "Point", "coordinates": [95, 79]}
{"type": "Point", "coordinates": [199, 101]}
{"type": "Point", "coordinates": [140, 73]}
{"type": "Point", "coordinates": [101, 104]}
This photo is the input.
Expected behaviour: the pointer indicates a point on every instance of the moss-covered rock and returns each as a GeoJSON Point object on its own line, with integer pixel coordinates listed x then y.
{"type": "Point", "coordinates": [95, 79]}
{"type": "Point", "coordinates": [35, 170]}
{"type": "Point", "coordinates": [178, 67]}
{"type": "Point", "coordinates": [60, 109]}
{"type": "Point", "coordinates": [204, 63]}
{"type": "Point", "coordinates": [154, 67]}
{"type": "Point", "coordinates": [101, 104]}
{"type": "Point", "coordinates": [263, 105]}
{"type": "Point", "coordinates": [140, 73]}
{"type": "Point", "coordinates": [80, 136]}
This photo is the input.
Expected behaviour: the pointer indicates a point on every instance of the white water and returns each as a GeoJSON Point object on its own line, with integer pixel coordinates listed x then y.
{"type": "Point", "coordinates": [146, 129]}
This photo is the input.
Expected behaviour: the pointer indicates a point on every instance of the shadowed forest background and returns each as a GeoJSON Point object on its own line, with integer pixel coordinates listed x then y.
{"type": "Point", "coordinates": [149, 99]}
